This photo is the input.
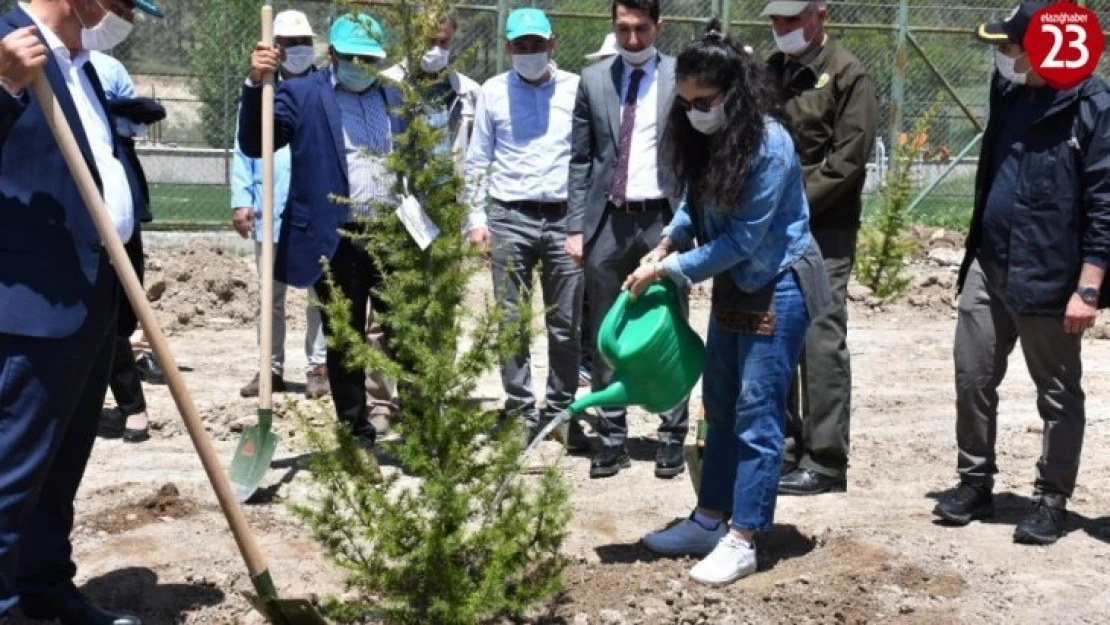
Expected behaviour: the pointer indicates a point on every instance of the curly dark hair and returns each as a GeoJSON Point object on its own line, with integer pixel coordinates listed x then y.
{"type": "Point", "coordinates": [713, 169]}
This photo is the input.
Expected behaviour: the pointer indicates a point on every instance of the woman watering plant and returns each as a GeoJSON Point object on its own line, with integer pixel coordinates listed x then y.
{"type": "Point", "coordinates": [746, 210]}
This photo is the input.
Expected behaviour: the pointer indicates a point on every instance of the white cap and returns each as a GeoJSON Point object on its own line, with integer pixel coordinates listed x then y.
{"type": "Point", "coordinates": [292, 24]}
{"type": "Point", "coordinates": [608, 48]}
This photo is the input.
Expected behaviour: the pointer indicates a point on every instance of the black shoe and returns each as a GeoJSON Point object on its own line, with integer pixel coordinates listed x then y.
{"type": "Point", "coordinates": [1044, 523]}
{"type": "Point", "coordinates": [806, 482]}
{"type": "Point", "coordinates": [609, 461]}
{"type": "Point", "coordinates": [149, 369]}
{"type": "Point", "coordinates": [573, 437]}
{"type": "Point", "coordinates": [669, 460]}
{"type": "Point", "coordinates": [72, 608]}
{"type": "Point", "coordinates": [970, 501]}
{"type": "Point", "coordinates": [135, 435]}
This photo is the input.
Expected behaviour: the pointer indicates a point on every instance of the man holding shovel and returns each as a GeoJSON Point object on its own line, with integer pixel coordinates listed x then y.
{"type": "Point", "coordinates": [58, 293]}
{"type": "Point", "coordinates": [339, 127]}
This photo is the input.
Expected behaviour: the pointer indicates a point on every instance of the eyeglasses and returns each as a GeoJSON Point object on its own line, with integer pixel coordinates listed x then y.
{"type": "Point", "coordinates": [702, 104]}
{"type": "Point", "coordinates": [369, 61]}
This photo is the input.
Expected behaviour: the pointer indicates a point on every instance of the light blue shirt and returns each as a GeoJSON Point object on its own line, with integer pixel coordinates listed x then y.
{"type": "Point", "coordinates": [520, 149]}
{"type": "Point", "coordinates": [763, 235]}
{"type": "Point", "coordinates": [117, 84]}
{"type": "Point", "coordinates": [367, 139]}
{"type": "Point", "coordinates": [246, 186]}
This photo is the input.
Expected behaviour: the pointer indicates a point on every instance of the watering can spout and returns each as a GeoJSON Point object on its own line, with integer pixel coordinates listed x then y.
{"type": "Point", "coordinates": [616, 394]}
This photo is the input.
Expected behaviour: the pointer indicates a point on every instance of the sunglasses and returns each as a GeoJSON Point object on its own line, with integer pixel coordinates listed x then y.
{"type": "Point", "coordinates": [703, 104]}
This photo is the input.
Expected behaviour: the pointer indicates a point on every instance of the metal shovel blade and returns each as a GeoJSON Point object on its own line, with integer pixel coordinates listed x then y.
{"type": "Point", "coordinates": [286, 611]}
{"type": "Point", "coordinates": [252, 457]}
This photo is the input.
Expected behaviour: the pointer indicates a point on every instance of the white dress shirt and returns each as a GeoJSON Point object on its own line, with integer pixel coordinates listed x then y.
{"type": "Point", "coordinates": [520, 148]}
{"type": "Point", "coordinates": [643, 162]}
{"type": "Point", "coordinates": [113, 177]}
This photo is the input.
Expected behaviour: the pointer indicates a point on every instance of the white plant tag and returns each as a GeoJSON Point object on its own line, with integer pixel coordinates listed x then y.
{"type": "Point", "coordinates": [417, 222]}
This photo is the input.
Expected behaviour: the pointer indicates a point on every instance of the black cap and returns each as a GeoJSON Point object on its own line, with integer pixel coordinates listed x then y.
{"type": "Point", "coordinates": [1012, 29]}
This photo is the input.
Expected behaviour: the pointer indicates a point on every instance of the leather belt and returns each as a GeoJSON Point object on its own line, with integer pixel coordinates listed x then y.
{"type": "Point", "coordinates": [545, 208]}
{"type": "Point", "coordinates": [643, 206]}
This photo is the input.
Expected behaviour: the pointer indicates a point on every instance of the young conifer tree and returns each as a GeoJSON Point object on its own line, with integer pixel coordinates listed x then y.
{"type": "Point", "coordinates": [885, 242]}
{"type": "Point", "coordinates": [428, 546]}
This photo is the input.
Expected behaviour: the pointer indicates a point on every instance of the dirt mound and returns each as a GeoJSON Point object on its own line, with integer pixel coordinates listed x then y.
{"type": "Point", "coordinates": [167, 503]}
{"type": "Point", "coordinates": [801, 580]}
{"type": "Point", "coordinates": [200, 285]}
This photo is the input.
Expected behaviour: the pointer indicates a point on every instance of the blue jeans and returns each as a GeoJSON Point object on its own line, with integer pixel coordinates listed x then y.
{"type": "Point", "coordinates": [746, 385]}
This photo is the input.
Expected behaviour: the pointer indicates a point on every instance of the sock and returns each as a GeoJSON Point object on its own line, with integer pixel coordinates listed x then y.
{"type": "Point", "coordinates": [705, 521]}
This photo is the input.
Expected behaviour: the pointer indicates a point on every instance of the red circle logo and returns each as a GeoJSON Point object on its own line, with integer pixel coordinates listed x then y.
{"type": "Point", "coordinates": [1064, 43]}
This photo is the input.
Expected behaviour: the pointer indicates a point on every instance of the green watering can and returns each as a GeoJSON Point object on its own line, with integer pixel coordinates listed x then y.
{"type": "Point", "coordinates": [656, 358]}
{"type": "Point", "coordinates": [655, 355]}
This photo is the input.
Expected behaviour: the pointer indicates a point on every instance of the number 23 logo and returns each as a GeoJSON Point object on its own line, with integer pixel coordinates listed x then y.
{"type": "Point", "coordinates": [1079, 43]}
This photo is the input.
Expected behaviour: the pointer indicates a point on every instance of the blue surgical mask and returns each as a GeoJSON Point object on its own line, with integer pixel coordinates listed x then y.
{"type": "Point", "coordinates": [352, 77]}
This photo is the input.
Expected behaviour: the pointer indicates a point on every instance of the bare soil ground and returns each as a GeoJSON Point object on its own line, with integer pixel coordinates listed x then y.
{"type": "Point", "coordinates": [150, 538]}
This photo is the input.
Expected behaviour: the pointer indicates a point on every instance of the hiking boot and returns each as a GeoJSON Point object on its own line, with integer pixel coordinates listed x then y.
{"type": "Point", "coordinates": [970, 501]}
{"type": "Point", "coordinates": [317, 385]}
{"type": "Point", "coordinates": [1044, 523]}
{"type": "Point", "coordinates": [251, 389]}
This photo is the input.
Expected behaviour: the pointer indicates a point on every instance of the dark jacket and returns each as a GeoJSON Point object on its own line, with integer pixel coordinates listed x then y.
{"type": "Point", "coordinates": [1061, 209]}
{"type": "Point", "coordinates": [308, 120]}
{"type": "Point", "coordinates": [834, 113]}
{"type": "Point", "coordinates": [139, 111]}
{"type": "Point", "coordinates": [50, 252]}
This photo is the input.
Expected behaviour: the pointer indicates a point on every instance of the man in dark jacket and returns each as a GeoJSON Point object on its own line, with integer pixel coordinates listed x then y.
{"type": "Point", "coordinates": [1034, 271]}
{"type": "Point", "coordinates": [832, 107]}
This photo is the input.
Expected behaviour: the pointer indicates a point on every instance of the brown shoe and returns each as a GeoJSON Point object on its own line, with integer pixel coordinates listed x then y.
{"type": "Point", "coordinates": [318, 385]}
{"type": "Point", "coordinates": [251, 389]}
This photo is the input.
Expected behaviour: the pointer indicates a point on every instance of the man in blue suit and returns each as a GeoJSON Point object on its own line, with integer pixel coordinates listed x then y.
{"type": "Point", "coordinates": [57, 293]}
{"type": "Point", "coordinates": [340, 129]}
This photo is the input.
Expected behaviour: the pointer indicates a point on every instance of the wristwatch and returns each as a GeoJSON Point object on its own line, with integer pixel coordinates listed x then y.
{"type": "Point", "coordinates": [1089, 294]}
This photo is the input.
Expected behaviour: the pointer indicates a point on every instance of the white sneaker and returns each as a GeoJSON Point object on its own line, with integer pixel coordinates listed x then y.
{"type": "Point", "coordinates": [729, 561]}
{"type": "Point", "coordinates": [687, 538]}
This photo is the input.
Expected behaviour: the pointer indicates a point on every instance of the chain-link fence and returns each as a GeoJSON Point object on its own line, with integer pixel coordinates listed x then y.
{"type": "Point", "coordinates": [920, 54]}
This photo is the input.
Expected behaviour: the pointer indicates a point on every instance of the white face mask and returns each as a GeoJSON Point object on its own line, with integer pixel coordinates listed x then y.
{"type": "Point", "coordinates": [1005, 66]}
{"type": "Point", "coordinates": [636, 59]}
{"type": "Point", "coordinates": [298, 59]}
{"type": "Point", "coordinates": [531, 66]}
{"type": "Point", "coordinates": [792, 43]}
{"type": "Point", "coordinates": [707, 122]}
{"type": "Point", "coordinates": [111, 31]}
{"type": "Point", "coordinates": [435, 60]}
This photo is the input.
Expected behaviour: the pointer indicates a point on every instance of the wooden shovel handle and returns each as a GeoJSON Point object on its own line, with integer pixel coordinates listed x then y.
{"type": "Point", "coordinates": [63, 134]}
{"type": "Point", "coordinates": [266, 340]}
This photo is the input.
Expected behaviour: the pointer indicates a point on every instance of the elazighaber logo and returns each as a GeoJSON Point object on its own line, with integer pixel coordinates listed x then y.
{"type": "Point", "coordinates": [1064, 43]}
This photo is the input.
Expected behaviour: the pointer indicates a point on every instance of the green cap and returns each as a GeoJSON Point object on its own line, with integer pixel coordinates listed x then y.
{"type": "Point", "coordinates": [358, 36]}
{"type": "Point", "coordinates": [527, 21]}
{"type": "Point", "coordinates": [147, 6]}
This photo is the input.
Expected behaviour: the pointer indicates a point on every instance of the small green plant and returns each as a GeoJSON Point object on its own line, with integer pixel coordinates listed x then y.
{"type": "Point", "coordinates": [425, 544]}
{"type": "Point", "coordinates": [885, 243]}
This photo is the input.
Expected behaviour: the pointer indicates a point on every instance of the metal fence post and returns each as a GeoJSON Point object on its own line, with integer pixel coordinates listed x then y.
{"type": "Point", "coordinates": [898, 78]}
{"type": "Point", "coordinates": [726, 11]}
{"type": "Point", "coordinates": [502, 15]}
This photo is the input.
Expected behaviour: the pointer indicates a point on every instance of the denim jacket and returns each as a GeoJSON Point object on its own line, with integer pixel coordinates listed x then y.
{"type": "Point", "coordinates": [762, 236]}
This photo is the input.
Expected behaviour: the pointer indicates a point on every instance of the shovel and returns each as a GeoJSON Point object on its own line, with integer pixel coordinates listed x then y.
{"type": "Point", "coordinates": [277, 611]}
{"type": "Point", "coordinates": [257, 443]}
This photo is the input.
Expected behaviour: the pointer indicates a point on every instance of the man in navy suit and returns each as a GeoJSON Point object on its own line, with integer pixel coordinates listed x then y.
{"type": "Point", "coordinates": [340, 129]}
{"type": "Point", "coordinates": [57, 293]}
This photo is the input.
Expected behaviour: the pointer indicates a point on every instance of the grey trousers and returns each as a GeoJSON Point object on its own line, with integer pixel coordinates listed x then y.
{"type": "Point", "coordinates": [614, 253]}
{"type": "Point", "coordinates": [819, 418]}
{"type": "Point", "coordinates": [315, 344]}
{"type": "Point", "coordinates": [523, 239]}
{"type": "Point", "coordinates": [985, 336]}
